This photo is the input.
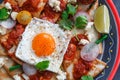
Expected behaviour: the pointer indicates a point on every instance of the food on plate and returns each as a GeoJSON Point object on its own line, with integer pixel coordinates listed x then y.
{"type": "Point", "coordinates": [24, 17]}
{"type": "Point", "coordinates": [102, 23]}
{"type": "Point", "coordinates": [47, 39]}
{"type": "Point", "coordinates": [43, 41]}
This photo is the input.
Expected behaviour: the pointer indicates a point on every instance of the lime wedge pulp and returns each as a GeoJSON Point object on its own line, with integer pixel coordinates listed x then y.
{"type": "Point", "coordinates": [102, 19]}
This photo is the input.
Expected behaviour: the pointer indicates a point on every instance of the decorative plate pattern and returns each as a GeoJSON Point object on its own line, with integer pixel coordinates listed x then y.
{"type": "Point", "coordinates": [111, 45]}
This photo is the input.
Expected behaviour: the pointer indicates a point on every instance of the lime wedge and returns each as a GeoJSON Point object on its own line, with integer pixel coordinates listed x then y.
{"type": "Point", "coordinates": [102, 19]}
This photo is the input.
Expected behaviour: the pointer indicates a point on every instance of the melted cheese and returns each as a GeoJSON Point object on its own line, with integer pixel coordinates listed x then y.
{"type": "Point", "coordinates": [72, 1]}
{"type": "Point", "coordinates": [61, 75]}
{"type": "Point", "coordinates": [55, 4]}
{"type": "Point", "coordinates": [91, 32]}
{"type": "Point", "coordinates": [14, 15]}
{"type": "Point", "coordinates": [25, 77]}
{"type": "Point", "coordinates": [83, 41]}
{"type": "Point", "coordinates": [17, 77]}
{"type": "Point", "coordinates": [8, 5]}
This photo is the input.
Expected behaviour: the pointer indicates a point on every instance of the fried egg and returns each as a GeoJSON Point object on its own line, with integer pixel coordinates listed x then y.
{"type": "Point", "coordinates": [43, 40]}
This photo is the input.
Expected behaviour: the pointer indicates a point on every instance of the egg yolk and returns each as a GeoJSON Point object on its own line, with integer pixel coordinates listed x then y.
{"type": "Point", "coordinates": [43, 44]}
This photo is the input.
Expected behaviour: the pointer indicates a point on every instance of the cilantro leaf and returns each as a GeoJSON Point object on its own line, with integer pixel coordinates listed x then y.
{"type": "Point", "coordinates": [42, 65]}
{"type": "Point", "coordinates": [87, 78]}
{"type": "Point", "coordinates": [66, 24]}
{"type": "Point", "coordinates": [4, 14]}
{"type": "Point", "coordinates": [81, 22]}
{"type": "Point", "coordinates": [71, 9]}
{"type": "Point", "coordinates": [65, 15]}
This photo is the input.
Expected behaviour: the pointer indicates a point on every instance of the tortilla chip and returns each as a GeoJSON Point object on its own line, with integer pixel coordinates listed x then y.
{"type": "Point", "coordinates": [97, 68]}
{"type": "Point", "coordinates": [4, 75]}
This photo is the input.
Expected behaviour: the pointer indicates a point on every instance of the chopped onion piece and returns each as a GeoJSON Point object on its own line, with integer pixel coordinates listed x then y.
{"type": "Point", "coordinates": [29, 69]}
{"type": "Point", "coordinates": [89, 52]}
{"type": "Point", "coordinates": [9, 23]}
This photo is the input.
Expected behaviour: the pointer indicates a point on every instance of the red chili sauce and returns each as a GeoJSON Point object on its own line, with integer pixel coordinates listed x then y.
{"type": "Point", "coordinates": [31, 5]}
{"type": "Point", "coordinates": [43, 75]}
{"type": "Point", "coordinates": [81, 67]}
{"type": "Point", "coordinates": [13, 37]}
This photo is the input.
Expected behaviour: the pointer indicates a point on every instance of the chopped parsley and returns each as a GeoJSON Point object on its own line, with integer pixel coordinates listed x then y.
{"type": "Point", "coordinates": [71, 10]}
{"type": "Point", "coordinates": [87, 77]}
{"type": "Point", "coordinates": [66, 23]}
{"type": "Point", "coordinates": [4, 13]}
{"type": "Point", "coordinates": [42, 65]}
{"type": "Point", "coordinates": [81, 22]}
{"type": "Point", "coordinates": [65, 15]}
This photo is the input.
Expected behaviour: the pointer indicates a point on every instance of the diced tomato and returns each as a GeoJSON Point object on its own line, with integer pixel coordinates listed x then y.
{"type": "Point", "coordinates": [42, 75]}
{"type": "Point", "coordinates": [46, 75]}
{"type": "Point", "coordinates": [70, 53]}
{"type": "Point", "coordinates": [79, 36]}
{"type": "Point", "coordinates": [49, 14]}
{"type": "Point", "coordinates": [19, 29]}
{"type": "Point", "coordinates": [31, 5]}
{"type": "Point", "coordinates": [34, 3]}
{"type": "Point", "coordinates": [6, 45]}
{"type": "Point", "coordinates": [34, 77]}
{"type": "Point", "coordinates": [13, 37]}
{"type": "Point", "coordinates": [63, 4]}
{"type": "Point", "coordinates": [81, 68]}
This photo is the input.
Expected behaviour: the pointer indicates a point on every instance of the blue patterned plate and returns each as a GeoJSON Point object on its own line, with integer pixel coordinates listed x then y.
{"type": "Point", "coordinates": [111, 52]}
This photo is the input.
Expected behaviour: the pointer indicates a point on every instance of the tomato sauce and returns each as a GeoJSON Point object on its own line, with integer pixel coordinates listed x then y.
{"type": "Point", "coordinates": [81, 68]}
{"type": "Point", "coordinates": [43, 75]}
{"type": "Point", "coordinates": [70, 53]}
{"type": "Point", "coordinates": [13, 37]}
{"type": "Point", "coordinates": [79, 36]}
{"type": "Point", "coordinates": [14, 5]}
{"type": "Point", "coordinates": [63, 4]}
{"type": "Point", "coordinates": [73, 45]}
{"type": "Point", "coordinates": [49, 14]}
{"type": "Point", "coordinates": [31, 5]}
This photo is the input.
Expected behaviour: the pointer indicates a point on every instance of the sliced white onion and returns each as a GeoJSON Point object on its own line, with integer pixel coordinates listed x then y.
{"type": "Point", "coordinates": [29, 69]}
{"type": "Point", "coordinates": [9, 23]}
{"type": "Point", "coordinates": [82, 13]}
{"type": "Point", "coordinates": [89, 52]}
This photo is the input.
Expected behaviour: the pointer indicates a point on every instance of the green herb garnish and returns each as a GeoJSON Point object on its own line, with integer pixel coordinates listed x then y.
{"type": "Point", "coordinates": [81, 22]}
{"type": "Point", "coordinates": [66, 24]}
{"type": "Point", "coordinates": [42, 65]}
{"type": "Point", "coordinates": [87, 78]}
{"type": "Point", "coordinates": [4, 13]}
{"type": "Point", "coordinates": [64, 15]}
{"type": "Point", "coordinates": [101, 39]}
{"type": "Point", "coordinates": [14, 67]}
{"type": "Point", "coordinates": [71, 9]}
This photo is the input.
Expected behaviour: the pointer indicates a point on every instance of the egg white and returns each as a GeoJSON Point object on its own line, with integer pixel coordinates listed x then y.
{"type": "Point", "coordinates": [25, 52]}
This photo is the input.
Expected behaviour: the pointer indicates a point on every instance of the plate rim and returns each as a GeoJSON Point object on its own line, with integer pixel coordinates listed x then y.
{"type": "Point", "coordinates": [117, 20]}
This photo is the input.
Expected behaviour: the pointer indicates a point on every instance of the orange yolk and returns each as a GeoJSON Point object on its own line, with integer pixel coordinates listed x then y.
{"type": "Point", "coordinates": [43, 44]}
